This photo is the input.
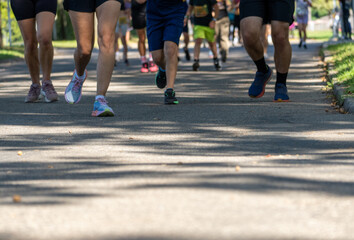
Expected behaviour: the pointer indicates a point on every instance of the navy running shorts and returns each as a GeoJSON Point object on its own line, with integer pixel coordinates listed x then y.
{"type": "Point", "coordinates": [88, 6]}
{"type": "Point", "coordinates": [164, 26]}
{"type": "Point", "coordinates": [268, 10]}
{"type": "Point", "coordinates": [26, 9]}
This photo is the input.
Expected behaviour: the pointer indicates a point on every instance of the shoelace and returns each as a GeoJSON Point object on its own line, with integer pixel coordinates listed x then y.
{"type": "Point", "coordinates": [48, 87]}
{"type": "Point", "coordinates": [102, 101]}
{"type": "Point", "coordinates": [77, 84]}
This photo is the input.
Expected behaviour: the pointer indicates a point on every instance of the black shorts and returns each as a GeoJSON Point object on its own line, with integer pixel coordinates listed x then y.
{"type": "Point", "coordinates": [25, 9]}
{"type": "Point", "coordinates": [86, 5]}
{"type": "Point", "coordinates": [139, 16]}
{"type": "Point", "coordinates": [269, 10]}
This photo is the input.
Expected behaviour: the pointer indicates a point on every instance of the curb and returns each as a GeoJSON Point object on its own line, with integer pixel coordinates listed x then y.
{"type": "Point", "coordinates": [346, 102]}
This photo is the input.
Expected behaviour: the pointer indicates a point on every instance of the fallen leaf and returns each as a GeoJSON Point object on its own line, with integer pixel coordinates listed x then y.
{"type": "Point", "coordinates": [157, 119]}
{"type": "Point", "coordinates": [19, 153]}
{"type": "Point", "coordinates": [269, 155]}
{"type": "Point", "coordinates": [327, 110]}
{"type": "Point", "coordinates": [69, 132]}
{"type": "Point", "coordinates": [180, 163]}
{"type": "Point", "coordinates": [342, 111]}
{"type": "Point", "coordinates": [237, 168]}
{"type": "Point", "coordinates": [16, 198]}
{"type": "Point", "coordinates": [50, 166]}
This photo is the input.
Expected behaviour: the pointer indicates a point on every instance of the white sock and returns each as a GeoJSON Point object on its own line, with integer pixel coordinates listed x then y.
{"type": "Point", "coordinates": [150, 57]}
{"type": "Point", "coordinates": [80, 77]}
{"type": "Point", "coordinates": [99, 96]}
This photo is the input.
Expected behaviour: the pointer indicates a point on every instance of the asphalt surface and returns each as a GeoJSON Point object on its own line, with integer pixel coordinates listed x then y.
{"type": "Point", "coordinates": [217, 166]}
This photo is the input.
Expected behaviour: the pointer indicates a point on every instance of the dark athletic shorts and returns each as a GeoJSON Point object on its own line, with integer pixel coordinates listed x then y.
{"type": "Point", "coordinates": [26, 9]}
{"type": "Point", "coordinates": [269, 10]}
{"type": "Point", "coordinates": [139, 16]}
{"type": "Point", "coordinates": [164, 25]}
{"type": "Point", "coordinates": [88, 6]}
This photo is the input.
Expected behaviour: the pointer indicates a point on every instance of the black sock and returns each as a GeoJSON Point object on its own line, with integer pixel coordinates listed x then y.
{"type": "Point", "coordinates": [196, 60]}
{"type": "Point", "coordinates": [261, 65]}
{"type": "Point", "coordinates": [281, 77]}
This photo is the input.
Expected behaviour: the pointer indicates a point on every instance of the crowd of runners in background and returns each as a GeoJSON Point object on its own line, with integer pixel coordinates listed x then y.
{"type": "Point", "coordinates": [217, 23]}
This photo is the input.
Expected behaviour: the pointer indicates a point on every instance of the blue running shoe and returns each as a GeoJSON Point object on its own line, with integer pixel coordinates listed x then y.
{"type": "Point", "coordinates": [101, 109]}
{"type": "Point", "coordinates": [73, 91]}
{"type": "Point", "coordinates": [170, 96]}
{"type": "Point", "coordinates": [257, 88]}
{"type": "Point", "coordinates": [160, 79]}
{"type": "Point", "coordinates": [281, 93]}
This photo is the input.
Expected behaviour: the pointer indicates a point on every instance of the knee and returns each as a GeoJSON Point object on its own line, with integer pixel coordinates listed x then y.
{"type": "Point", "coordinates": [250, 37]}
{"type": "Point", "coordinates": [142, 38]}
{"type": "Point", "coordinates": [31, 46]}
{"type": "Point", "coordinates": [106, 41]}
{"type": "Point", "coordinates": [45, 41]}
{"type": "Point", "coordinates": [199, 41]}
{"type": "Point", "coordinates": [280, 39]}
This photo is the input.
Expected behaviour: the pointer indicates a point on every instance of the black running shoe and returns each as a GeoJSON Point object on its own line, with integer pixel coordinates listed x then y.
{"type": "Point", "coordinates": [170, 96]}
{"type": "Point", "coordinates": [217, 64]}
{"type": "Point", "coordinates": [160, 79]}
{"type": "Point", "coordinates": [300, 44]}
{"type": "Point", "coordinates": [196, 66]}
{"type": "Point", "coordinates": [305, 46]}
{"type": "Point", "coordinates": [188, 56]}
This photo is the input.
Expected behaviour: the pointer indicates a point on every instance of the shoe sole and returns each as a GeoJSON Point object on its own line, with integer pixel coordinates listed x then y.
{"type": "Point", "coordinates": [263, 91]}
{"type": "Point", "coordinates": [281, 100]}
{"type": "Point", "coordinates": [172, 103]}
{"type": "Point", "coordinates": [80, 91]}
{"type": "Point", "coordinates": [105, 113]}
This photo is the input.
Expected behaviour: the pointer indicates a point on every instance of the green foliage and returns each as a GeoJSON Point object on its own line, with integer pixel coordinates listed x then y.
{"type": "Point", "coordinates": [63, 24]}
{"type": "Point", "coordinates": [344, 63]}
{"type": "Point", "coordinates": [13, 52]}
{"type": "Point", "coordinates": [321, 8]}
{"type": "Point", "coordinates": [16, 33]}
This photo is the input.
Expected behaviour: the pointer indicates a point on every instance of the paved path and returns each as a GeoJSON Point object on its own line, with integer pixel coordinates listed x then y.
{"type": "Point", "coordinates": [218, 166]}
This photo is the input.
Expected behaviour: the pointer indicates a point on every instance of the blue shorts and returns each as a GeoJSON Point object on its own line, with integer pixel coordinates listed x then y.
{"type": "Point", "coordinates": [164, 24]}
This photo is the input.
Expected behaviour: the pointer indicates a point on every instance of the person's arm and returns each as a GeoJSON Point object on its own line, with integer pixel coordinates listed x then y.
{"type": "Point", "coordinates": [228, 5]}
{"type": "Point", "coordinates": [188, 14]}
{"type": "Point", "coordinates": [216, 10]}
{"type": "Point", "coordinates": [140, 1]}
{"type": "Point", "coordinates": [216, 15]}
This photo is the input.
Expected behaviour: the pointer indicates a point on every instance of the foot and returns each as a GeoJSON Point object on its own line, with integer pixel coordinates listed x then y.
{"type": "Point", "coordinates": [196, 66]}
{"type": "Point", "coordinates": [126, 62]}
{"type": "Point", "coordinates": [48, 91]}
{"type": "Point", "coordinates": [257, 88]}
{"type": "Point", "coordinates": [153, 67]}
{"type": "Point", "coordinates": [281, 93]}
{"type": "Point", "coordinates": [160, 79]}
{"type": "Point", "coordinates": [217, 64]}
{"type": "Point", "coordinates": [305, 46]}
{"type": "Point", "coordinates": [144, 68]}
{"type": "Point", "coordinates": [170, 96]}
{"type": "Point", "coordinates": [101, 109]}
{"type": "Point", "coordinates": [300, 44]}
{"type": "Point", "coordinates": [34, 94]}
{"type": "Point", "coordinates": [73, 91]}
{"type": "Point", "coordinates": [188, 56]}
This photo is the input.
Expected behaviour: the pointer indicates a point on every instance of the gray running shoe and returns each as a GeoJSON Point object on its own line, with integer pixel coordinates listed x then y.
{"type": "Point", "coordinates": [48, 91]}
{"type": "Point", "coordinates": [34, 94]}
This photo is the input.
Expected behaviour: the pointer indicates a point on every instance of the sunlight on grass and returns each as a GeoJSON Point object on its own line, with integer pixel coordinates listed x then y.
{"type": "Point", "coordinates": [343, 56]}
